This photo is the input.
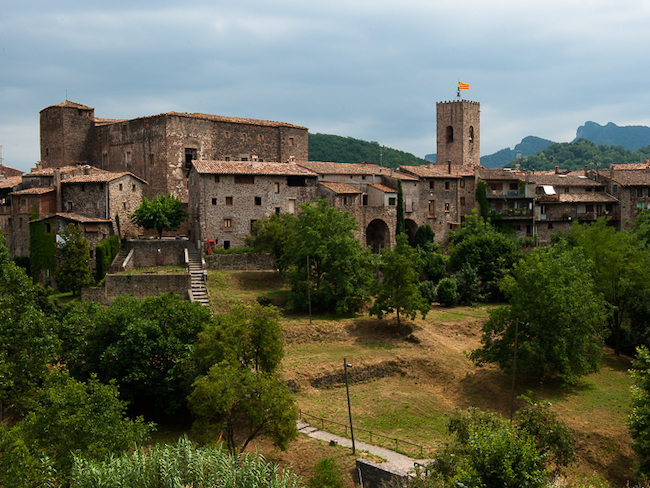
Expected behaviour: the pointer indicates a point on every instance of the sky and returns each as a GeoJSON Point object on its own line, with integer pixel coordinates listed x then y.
{"type": "Point", "coordinates": [371, 70]}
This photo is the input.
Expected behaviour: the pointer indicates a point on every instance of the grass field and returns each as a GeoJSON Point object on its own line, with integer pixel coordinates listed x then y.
{"type": "Point", "coordinates": [404, 381]}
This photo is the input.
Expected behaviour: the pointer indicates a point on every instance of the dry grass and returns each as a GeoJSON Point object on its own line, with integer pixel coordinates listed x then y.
{"type": "Point", "coordinates": [404, 382]}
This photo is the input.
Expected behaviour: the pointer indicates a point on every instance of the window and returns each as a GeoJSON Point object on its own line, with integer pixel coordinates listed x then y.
{"type": "Point", "coordinates": [227, 158]}
{"type": "Point", "coordinates": [292, 205]}
{"type": "Point", "coordinates": [229, 201]}
{"type": "Point", "coordinates": [550, 225]}
{"type": "Point", "coordinates": [216, 178]}
{"type": "Point", "coordinates": [277, 209]}
{"type": "Point", "coordinates": [432, 208]}
{"type": "Point", "coordinates": [364, 200]}
{"type": "Point", "coordinates": [462, 183]}
{"type": "Point", "coordinates": [48, 227]}
{"type": "Point", "coordinates": [226, 244]}
{"type": "Point", "coordinates": [391, 200]}
{"type": "Point", "coordinates": [446, 207]}
{"type": "Point", "coordinates": [133, 187]}
{"type": "Point", "coordinates": [127, 159]}
{"type": "Point", "coordinates": [462, 201]}
{"type": "Point", "coordinates": [296, 181]}
{"type": "Point", "coordinates": [345, 200]}
{"type": "Point", "coordinates": [120, 186]}
{"type": "Point", "coordinates": [276, 187]}
{"type": "Point", "coordinates": [252, 223]}
{"type": "Point", "coordinates": [214, 201]}
{"type": "Point", "coordinates": [244, 179]}
{"type": "Point", "coordinates": [450, 134]}
{"type": "Point", "coordinates": [227, 223]}
{"type": "Point", "coordinates": [124, 205]}
{"type": "Point", "coordinates": [446, 185]}
{"type": "Point", "coordinates": [291, 141]}
{"type": "Point", "coordinates": [431, 187]}
{"type": "Point", "coordinates": [471, 134]}
{"type": "Point", "coordinates": [258, 201]}
{"type": "Point", "coordinates": [69, 206]}
{"type": "Point", "coordinates": [639, 191]}
{"type": "Point", "coordinates": [190, 155]}
{"type": "Point", "coordinates": [615, 189]}
{"type": "Point", "coordinates": [104, 160]}
{"type": "Point", "coordinates": [23, 201]}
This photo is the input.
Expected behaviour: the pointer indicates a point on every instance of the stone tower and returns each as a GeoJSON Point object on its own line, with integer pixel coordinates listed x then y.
{"type": "Point", "coordinates": [67, 133]}
{"type": "Point", "coordinates": [459, 133]}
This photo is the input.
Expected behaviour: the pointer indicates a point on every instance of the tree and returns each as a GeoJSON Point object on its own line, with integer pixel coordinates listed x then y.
{"type": "Point", "coordinates": [560, 318]}
{"type": "Point", "coordinates": [272, 234]}
{"type": "Point", "coordinates": [424, 237]}
{"type": "Point", "coordinates": [398, 292]}
{"type": "Point", "coordinates": [400, 227]}
{"type": "Point", "coordinates": [73, 270]}
{"type": "Point", "coordinates": [28, 342]}
{"type": "Point", "coordinates": [163, 213]}
{"type": "Point", "coordinates": [70, 416]}
{"type": "Point", "coordinates": [620, 265]}
{"type": "Point", "coordinates": [447, 291]}
{"type": "Point", "coordinates": [340, 270]}
{"type": "Point", "coordinates": [487, 250]}
{"type": "Point", "coordinates": [146, 346]}
{"type": "Point", "coordinates": [639, 420]}
{"type": "Point", "coordinates": [242, 404]}
{"type": "Point", "coordinates": [249, 334]}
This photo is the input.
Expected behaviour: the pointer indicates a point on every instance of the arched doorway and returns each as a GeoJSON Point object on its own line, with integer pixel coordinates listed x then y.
{"type": "Point", "coordinates": [411, 229]}
{"type": "Point", "coordinates": [377, 235]}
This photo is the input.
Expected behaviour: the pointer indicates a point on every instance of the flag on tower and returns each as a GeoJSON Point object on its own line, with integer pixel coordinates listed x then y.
{"type": "Point", "coordinates": [463, 86]}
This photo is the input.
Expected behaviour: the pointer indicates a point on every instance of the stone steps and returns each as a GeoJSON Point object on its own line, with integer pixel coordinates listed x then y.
{"type": "Point", "coordinates": [199, 291]}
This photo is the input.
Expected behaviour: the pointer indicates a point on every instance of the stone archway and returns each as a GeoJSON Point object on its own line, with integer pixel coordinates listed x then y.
{"type": "Point", "coordinates": [377, 235]}
{"type": "Point", "coordinates": [411, 229]}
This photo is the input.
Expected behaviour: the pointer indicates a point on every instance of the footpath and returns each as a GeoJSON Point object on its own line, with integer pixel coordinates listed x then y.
{"type": "Point", "coordinates": [394, 460]}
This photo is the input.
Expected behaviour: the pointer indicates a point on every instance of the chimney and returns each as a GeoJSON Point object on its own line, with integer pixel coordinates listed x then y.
{"type": "Point", "coordinates": [57, 185]}
{"type": "Point", "coordinates": [586, 172]}
{"type": "Point", "coordinates": [557, 170]}
{"type": "Point", "coordinates": [449, 166]}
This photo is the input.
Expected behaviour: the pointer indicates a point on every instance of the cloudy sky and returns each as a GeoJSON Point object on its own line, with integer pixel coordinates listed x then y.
{"type": "Point", "coordinates": [372, 70]}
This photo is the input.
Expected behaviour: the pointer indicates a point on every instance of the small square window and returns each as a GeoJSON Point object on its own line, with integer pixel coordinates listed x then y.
{"type": "Point", "coordinates": [229, 201]}
{"type": "Point", "coordinates": [226, 244]}
{"type": "Point", "coordinates": [291, 141]}
{"type": "Point", "coordinates": [446, 185]}
{"type": "Point", "coordinates": [277, 209]}
{"type": "Point", "coordinates": [391, 201]}
{"type": "Point", "coordinates": [258, 201]}
{"type": "Point", "coordinates": [462, 200]}
{"type": "Point", "coordinates": [214, 201]}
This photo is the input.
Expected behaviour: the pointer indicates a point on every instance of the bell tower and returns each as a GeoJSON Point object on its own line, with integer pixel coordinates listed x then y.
{"type": "Point", "coordinates": [459, 133]}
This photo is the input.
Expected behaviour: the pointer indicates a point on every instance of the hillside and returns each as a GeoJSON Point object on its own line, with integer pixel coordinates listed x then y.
{"type": "Point", "coordinates": [631, 137]}
{"type": "Point", "coordinates": [404, 381]}
{"type": "Point", "coordinates": [527, 147]}
{"type": "Point", "coordinates": [326, 147]}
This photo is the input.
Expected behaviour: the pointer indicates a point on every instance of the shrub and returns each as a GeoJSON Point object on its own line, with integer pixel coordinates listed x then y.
{"type": "Point", "coordinates": [447, 292]}
{"type": "Point", "coordinates": [326, 474]}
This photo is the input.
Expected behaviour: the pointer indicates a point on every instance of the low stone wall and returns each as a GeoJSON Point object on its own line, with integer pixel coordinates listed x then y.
{"type": "Point", "coordinates": [373, 475]}
{"type": "Point", "coordinates": [241, 262]}
{"type": "Point", "coordinates": [145, 251]}
{"type": "Point", "coordinates": [147, 285]}
{"type": "Point", "coordinates": [94, 295]}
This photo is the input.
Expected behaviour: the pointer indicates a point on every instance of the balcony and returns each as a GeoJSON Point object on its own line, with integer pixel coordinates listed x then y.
{"type": "Point", "coordinates": [515, 213]}
{"type": "Point", "coordinates": [505, 193]}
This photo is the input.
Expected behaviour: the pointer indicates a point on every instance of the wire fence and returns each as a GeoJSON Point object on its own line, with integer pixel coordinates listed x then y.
{"type": "Point", "coordinates": [397, 442]}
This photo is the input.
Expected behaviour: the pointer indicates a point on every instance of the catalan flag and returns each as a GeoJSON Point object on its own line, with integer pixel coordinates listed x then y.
{"type": "Point", "coordinates": [463, 86]}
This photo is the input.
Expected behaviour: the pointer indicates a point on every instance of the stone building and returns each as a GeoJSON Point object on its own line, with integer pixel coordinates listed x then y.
{"type": "Point", "coordinates": [227, 197]}
{"type": "Point", "coordinates": [7, 172]}
{"type": "Point", "coordinates": [630, 185]}
{"type": "Point", "coordinates": [160, 148]}
{"type": "Point", "coordinates": [458, 134]}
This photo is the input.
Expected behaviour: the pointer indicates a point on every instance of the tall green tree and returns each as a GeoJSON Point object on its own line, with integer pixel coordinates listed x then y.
{"type": "Point", "coordinates": [73, 270]}
{"type": "Point", "coordinates": [639, 420]}
{"type": "Point", "coordinates": [340, 269]}
{"type": "Point", "coordinates": [272, 234]}
{"type": "Point", "coordinates": [560, 316]}
{"type": "Point", "coordinates": [28, 342]}
{"type": "Point", "coordinates": [620, 266]}
{"type": "Point", "coordinates": [163, 213]}
{"type": "Point", "coordinates": [398, 291]}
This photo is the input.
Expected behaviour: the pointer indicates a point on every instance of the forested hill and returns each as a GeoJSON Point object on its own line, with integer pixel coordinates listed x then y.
{"type": "Point", "coordinates": [631, 137]}
{"type": "Point", "coordinates": [527, 147]}
{"type": "Point", "coordinates": [580, 153]}
{"type": "Point", "coordinates": [325, 147]}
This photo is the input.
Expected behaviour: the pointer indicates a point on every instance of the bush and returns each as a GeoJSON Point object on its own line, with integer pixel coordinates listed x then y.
{"type": "Point", "coordinates": [327, 474]}
{"type": "Point", "coordinates": [447, 292]}
{"type": "Point", "coordinates": [105, 252]}
{"type": "Point", "coordinates": [428, 291]}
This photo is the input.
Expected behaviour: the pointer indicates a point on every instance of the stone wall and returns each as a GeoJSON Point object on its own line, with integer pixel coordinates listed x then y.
{"type": "Point", "coordinates": [97, 295]}
{"type": "Point", "coordinates": [373, 475]}
{"type": "Point", "coordinates": [147, 285]}
{"type": "Point", "coordinates": [145, 251]}
{"type": "Point", "coordinates": [241, 262]}
{"type": "Point", "coordinates": [463, 117]}
{"type": "Point", "coordinates": [75, 122]}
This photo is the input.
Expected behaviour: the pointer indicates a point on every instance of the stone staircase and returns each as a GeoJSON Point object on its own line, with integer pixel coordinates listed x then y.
{"type": "Point", "coordinates": [195, 267]}
{"type": "Point", "coordinates": [116, 265]}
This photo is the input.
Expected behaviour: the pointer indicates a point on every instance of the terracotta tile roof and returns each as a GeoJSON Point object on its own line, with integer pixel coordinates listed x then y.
{"type": "Point", "coordinates": [501, 174]}
{"type": "Point", "coordinates": [437, 171]}
{"type": "Point", "coordinates": [404, 176]}
{"type": "Point", "coordinates": [627, 166]}
{"type": "Point", "coordinates": [102, 177]}
{"type": "Point", "coordinates": [340, 188]}
{"type": "Point", "coordinates": [639, 177]}
{"type": "Point", "coordinates": [7, 170]}
{"type": "Point", "coordinates": [11, 182]}
{"type": "Point", "coordinates": [587, 197]}
{"type": "Point", "coordinates": [69, 104]}
{"type": "Point", "coordinates": [81, 218]}
{"type": "Point", "coordinates": [234, 120]}
{"type": "Point", "coordinates": [329, 168]}
{"type": "Point", "coordinates": [250, 168]}
{"type": "Point", "coordinates": [50, 171]}
{"type": "Point", "coordinates": [384, 188]}
{"type": "Point", "coordinates": [39, 190]}
{"type": "Point", "coordinates": [573, 179]}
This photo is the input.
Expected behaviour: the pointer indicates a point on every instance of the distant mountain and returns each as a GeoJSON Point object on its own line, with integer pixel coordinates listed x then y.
{"type": "Point", "coordinates": [326, 147]}
{"type": "Point", "coordinates": [631, 137]}
{"type": "Point", "coordinates": [527, 147]}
